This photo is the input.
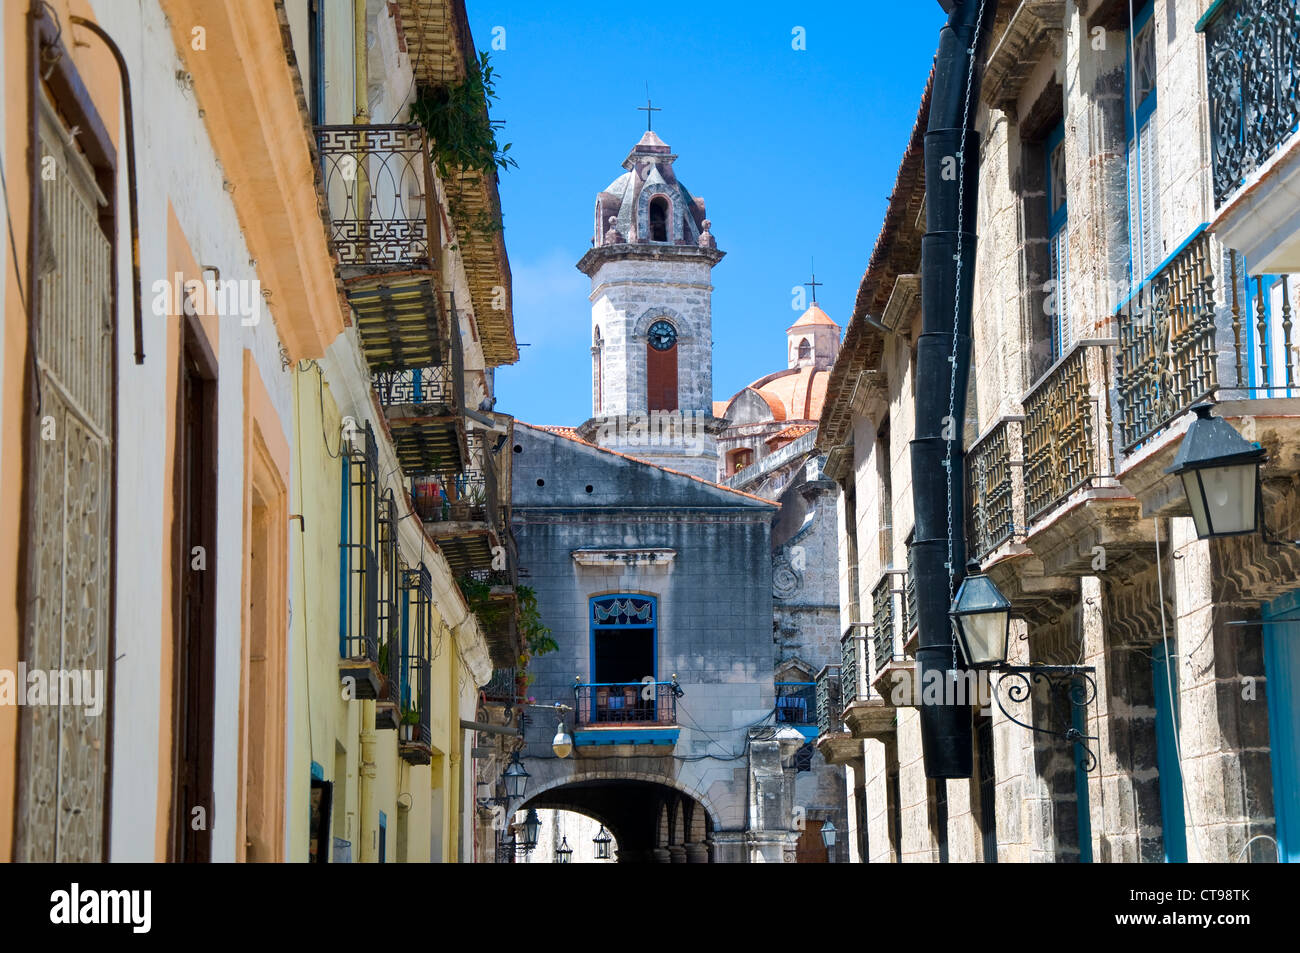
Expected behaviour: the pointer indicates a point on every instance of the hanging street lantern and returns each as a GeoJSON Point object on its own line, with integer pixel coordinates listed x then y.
{"type": "Point", "coordinates": [564, 853]}
{"type": "Point", "coordinates": [1220, 473]}
{"type": "Point", "coordinates": [602, 840]}
{"type": "Point", "coordinates": [532, 824]}
{"type": "Point", "coordinates": [982, 615]}
{"type": "Point", "coordinates": [515, 777]}
{"type": "Point", "coordinates": [829, 834]}
{"type": "Point", "coordinates": [562, 743]}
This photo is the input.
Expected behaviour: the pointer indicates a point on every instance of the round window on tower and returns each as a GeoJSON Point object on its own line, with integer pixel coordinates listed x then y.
{"type": "Point", "coordinates": [662, 335]}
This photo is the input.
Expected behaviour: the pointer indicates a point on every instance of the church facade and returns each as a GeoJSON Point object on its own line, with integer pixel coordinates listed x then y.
{"type": "Point", "coordinates": [692, 726]}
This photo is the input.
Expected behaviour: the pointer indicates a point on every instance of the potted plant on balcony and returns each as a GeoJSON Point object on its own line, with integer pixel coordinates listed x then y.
{"type": "Point", "coordinates": [410, 726]}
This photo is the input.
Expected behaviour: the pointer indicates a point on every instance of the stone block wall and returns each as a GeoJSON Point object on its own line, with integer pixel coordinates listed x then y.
{"type": "Point", "coordinates": [630, 295]}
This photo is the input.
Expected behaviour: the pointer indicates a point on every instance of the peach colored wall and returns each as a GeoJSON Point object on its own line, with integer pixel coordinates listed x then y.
{"type": "Point", "coordinates": [99, 74]}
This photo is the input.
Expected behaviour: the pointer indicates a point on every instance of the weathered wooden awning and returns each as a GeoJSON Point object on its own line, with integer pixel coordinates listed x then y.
{"type": "Point", "coordinates": [468, 546]}
{"type": "Point", "coordinates": [399, 320]}
{"type": "Point", "coordinates": [426, 443]}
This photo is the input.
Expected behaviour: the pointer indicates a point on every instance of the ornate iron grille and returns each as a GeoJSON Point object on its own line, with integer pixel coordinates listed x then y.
{"type": "Point", "coordinates": [376, 182]}
{"type": "Point", "coordinates": [1065, 427]}
{"type": "Point", "coordinates": [1166, 345]}
{"type": "Point", "coordinates": [627, 703]}
{"type": "Point", "coordinates": [989, 488]}
{"type": "Point", "coordinates": [1253, 77]}
{"type": "Point", "coordinates": [830, 710]}
{"type": "Point", "coordinates": [388, 612]}
{"type": "Point", "coordinates": [910, 620]}
{"type": "Point", "coordinates": [502, 686]}
{"type": "Point", "coordinates": [467, 496]}
{"type": "Point", "coordinates": [360, 635]}
{"type": "Point", "coordinates": [69, 560]}
{"type": "Point", "coordinates": [884, 611]}
{"type": "Point", "coordinates": [416, 653]}
{"type": "Point", "coordinates": [422, 387]}
{"type": "Point", "coordinates": [852, 660]}
{"type": "Point", "coordinates": [796, 702]}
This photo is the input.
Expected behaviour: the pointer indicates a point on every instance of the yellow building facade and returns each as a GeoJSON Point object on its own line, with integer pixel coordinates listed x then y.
{"type": "Point", "coordinates": [236, 553]}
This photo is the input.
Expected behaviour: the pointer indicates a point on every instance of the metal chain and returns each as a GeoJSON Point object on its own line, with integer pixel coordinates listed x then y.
{"type": "Point", "coordinates": [956, 309]}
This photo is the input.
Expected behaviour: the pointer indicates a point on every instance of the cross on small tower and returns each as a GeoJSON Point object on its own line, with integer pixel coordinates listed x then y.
{"type": "Point", "coordinates": [814, 284]}
{"type": "Point", "coordinates": [649, 110]}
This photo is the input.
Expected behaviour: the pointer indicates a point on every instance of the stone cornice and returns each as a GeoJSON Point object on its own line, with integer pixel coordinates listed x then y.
{"type": "Point", "coordinates": [623, 557]}
{"type": "Point", "coordinates": [601, 254]}
{"type": "Point", "coordinates": [1034, 25]}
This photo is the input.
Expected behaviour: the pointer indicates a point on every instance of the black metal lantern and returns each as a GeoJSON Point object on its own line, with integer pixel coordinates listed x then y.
{"type": "Point", "coordinates": [563, 853]}
{"type": "Point", "coordinates": [602, 840]}
{"type": "Point", "coordinates": [515, 777]}
{"type": "Point", "coordinates": [983, 618]}
{"type": "Point", "coordinates": [829, 834]}
{"type": "Point", "coordinates": [532, 824]}
{"type": "Point", "coordinates": [1220, 473]}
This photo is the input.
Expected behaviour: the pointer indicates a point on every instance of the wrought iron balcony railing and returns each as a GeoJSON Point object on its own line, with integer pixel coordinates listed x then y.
{"type": "Point", "coordinates": [1252, 48]}
{"type": "Point", "coordinates": [1066, 427]}
{"type": "Point", "coordinates": [830, 709]}
{"type": "Point", "coordinates": [626, 703]}
{"type": "Point", "coordinates": [855, 681]}
{"type": "Point", "coordinates": [359, 583]}
{"type": "Point", "coordinates": [990, 487]}
{"type": "Point", "coordinates": [1167, 351]}
{"type": "Point", "coordinates": [889, 615]}
{"type": "Point", "coordinates": [418, 387]}
{"type": "Point", "coordinates": [503, 687]}
{"type": "Point", "coordinates": [1264, 354]}
{"type": "Point", "coordinates": [390, 575]}
{"type": "Point", "coordinates": [415, 737]}
{"type": "Point", "coordinates": [911, 620]}
{"type": "Point", "coordinates": [377, 183]}
{"type": "Point", "coordinates": [796, 703]}
{"type": "Point", "coordinates": [469, 496]}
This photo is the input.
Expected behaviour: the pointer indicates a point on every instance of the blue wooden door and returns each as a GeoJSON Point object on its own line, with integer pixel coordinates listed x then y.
{"type": "Point", "coordinates": [1164, 677]}
{"type": "Point", "coordinates": [1282, 669]}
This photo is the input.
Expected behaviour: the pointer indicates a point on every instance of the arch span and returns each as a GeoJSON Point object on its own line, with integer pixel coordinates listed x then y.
{"type": "Point", "coordinates": [631, 808]}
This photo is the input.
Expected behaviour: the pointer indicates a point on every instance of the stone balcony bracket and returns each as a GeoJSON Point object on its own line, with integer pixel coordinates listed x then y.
{"type": "Point", "coordinates": [872, 717]}
{"type": "Point", "coordinates": [839, 748]}
{"type": "Point", "coordinates": [1103, 522]}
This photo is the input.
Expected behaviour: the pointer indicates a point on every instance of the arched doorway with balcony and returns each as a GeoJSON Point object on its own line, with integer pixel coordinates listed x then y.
{"type": "Point", "coordinates": [650, 821]}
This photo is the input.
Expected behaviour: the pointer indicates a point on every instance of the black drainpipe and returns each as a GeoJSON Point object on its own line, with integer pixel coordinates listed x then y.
{"type": "Point", "coordinates": [943, 367]}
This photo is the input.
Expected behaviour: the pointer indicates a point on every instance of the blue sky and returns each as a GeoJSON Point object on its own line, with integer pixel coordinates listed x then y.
{"type": "Point", "coordinates": [795, 152]}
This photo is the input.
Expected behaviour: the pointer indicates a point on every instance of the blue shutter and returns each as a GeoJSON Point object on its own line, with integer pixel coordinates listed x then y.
{"type": "Point", "coordinates": [1164, 674]}
{"type": "Point", "coordinates": [1282, 669]}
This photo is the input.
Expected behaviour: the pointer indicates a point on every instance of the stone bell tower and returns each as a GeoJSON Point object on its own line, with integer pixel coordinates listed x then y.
{"type": "Point", "coordinates": [650, 267]}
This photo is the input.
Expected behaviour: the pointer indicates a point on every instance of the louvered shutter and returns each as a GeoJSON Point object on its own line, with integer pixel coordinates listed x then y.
{"type": "Point", "coordinates": [1152, 248]}
{"type": "Point", "coordinates": [1062, 334]}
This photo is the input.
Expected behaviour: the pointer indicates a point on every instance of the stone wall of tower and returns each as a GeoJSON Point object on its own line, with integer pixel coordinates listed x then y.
{"type": "Point", "coordinates": [627, 297]}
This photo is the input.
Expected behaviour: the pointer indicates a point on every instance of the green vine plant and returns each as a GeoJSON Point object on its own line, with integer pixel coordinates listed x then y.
{"type": "Point", "coordinates": [462, 136]}
{"type": "Point", "coordinates": [478, 596]}
{"type": "Point", "coordinates": [492, 614]}
{"type": "Point", "coordinates": [537, 637]}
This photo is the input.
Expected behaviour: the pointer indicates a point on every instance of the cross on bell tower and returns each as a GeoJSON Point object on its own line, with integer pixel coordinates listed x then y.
{"type": "Point", "coordinates": [649, 109]}
{"type": "Point", "coordinates": [814, 284]}
{"type": "Point", "coordinates": [650, 266]}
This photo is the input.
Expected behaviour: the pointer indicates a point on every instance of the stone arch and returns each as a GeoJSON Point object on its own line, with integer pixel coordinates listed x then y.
{"type": "Point", "coordinates": [539, 784]}
{"type": "Point", "coordinates": [641, 327]}
{"type": "Point", "coordinates": [672, 221]}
